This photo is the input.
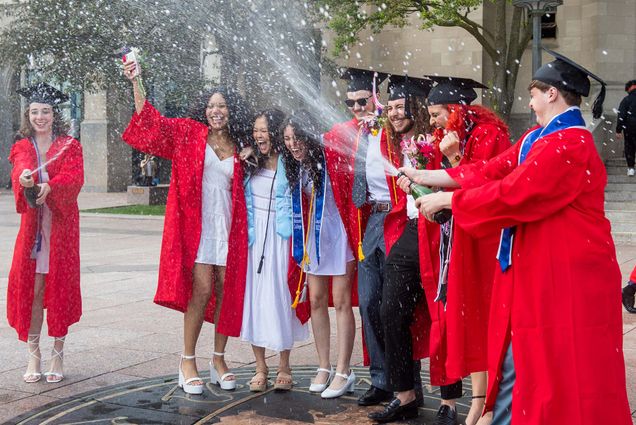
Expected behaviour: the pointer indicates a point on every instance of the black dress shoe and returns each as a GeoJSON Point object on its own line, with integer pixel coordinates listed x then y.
{"type": "Point", "coordinates": [628, 297]}
{"type": "Point", "coordinates": [419, 397]}
{"type": "Point", "coordinates": [374, 396]}
{"type": "Point", "coordinates": [394, 411]}
{"type": "Point", "coordinates": [446, 415]}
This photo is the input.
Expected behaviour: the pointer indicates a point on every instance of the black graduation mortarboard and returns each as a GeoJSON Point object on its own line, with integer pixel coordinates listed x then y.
{"type": "Point", "coordinates": [361, 79]}
{"type": "Point", "coordinates": [43, 93]}
{"type": "Point", "coordinates": [453, 90]}
{"type": "Point", "coordinates": [565, 74]}
{"type": "Point", "coordinates": [402, 86]}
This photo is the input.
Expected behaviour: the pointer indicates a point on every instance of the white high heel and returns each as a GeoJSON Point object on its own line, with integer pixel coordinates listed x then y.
{"type": "Point", "coordinates": [55, 377]}
{"type": "Point", "coordinates": [221, 381]}
{"type": "Point", "coordinates": [188, 388]}
{"type": "Point", "coordinates": [348, 387]}
{"type": "Point", "coordinates": [33, 345]}
{"type": "Point", "coordinates": [318, 388]}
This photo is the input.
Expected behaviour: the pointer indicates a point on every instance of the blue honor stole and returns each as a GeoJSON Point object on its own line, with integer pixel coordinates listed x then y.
{"type": "Point", "coordinates": [298, 227]}
{"type": "Point", "coordinates": [570, 118]}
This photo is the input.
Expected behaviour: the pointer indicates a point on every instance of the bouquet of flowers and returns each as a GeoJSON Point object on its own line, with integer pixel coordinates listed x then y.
{"type": "Point", "coordinates": [419, 151]}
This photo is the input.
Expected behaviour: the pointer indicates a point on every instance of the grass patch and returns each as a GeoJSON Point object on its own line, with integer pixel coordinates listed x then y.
{"type": "Point", "coordinates": [131, 209]}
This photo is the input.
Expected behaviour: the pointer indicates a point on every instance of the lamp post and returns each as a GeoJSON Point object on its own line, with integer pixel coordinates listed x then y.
{"type": "Point", "coordinates": [537, 8]}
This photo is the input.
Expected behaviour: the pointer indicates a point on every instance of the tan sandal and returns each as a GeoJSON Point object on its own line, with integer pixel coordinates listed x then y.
{"type": "Point", "coordinates": [259, 385]}
{"type": "Point", "coordinates": [284, 381]}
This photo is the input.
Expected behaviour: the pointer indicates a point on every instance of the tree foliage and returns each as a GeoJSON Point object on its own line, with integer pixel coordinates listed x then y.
{"type": "Point", "coordinates": [504, 42]}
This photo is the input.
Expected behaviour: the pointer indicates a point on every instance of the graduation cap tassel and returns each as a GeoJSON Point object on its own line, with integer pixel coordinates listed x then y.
{"type": "Point", "coordinates": [597, 106]}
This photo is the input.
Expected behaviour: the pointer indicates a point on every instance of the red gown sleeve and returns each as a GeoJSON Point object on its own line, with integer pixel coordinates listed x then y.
{"type": "Point", "coordinates": [152, 133]}
{"type": "Point", "coordinates": [487, 141]}
{"type": "Point", "coordinates": [68, 181]}
{"type": "Point", "coordinates": [21, 160]}
{"type": "Point", "coordinates": [483, 171]}
{"type": "Point", "coordinates": [551, 177]}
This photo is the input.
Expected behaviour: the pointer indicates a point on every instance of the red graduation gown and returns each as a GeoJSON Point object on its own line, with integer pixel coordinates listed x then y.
{"type": "Point", "coordinates": [471, 271]}
{"type": "Point", "coordinates": [632, 277]}
{"type": "Point", "coordinates": [183, 141]}
{"type": "Point", "coordinates": [62, 297]}
{"type": "Point", "coordinates": [558, 302]}
{"type": "Point", "coordinates": [428, 325]}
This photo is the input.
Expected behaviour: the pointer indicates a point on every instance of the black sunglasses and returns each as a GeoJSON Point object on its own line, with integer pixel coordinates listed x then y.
{"type": "Point", "coordinates": [362, 102]}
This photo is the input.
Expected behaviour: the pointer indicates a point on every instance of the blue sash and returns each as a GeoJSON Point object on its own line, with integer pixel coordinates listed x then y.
{"type": "Point", "coordinates": [570, 118]}
{"type": "Point", "coordinates": [298, 227]}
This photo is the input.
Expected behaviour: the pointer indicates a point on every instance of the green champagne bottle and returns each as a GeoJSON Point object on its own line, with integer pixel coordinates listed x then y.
{"type": "Point", "coordinates": [418, 190]}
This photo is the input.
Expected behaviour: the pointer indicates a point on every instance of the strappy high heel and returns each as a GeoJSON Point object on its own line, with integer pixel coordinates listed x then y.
{"type": "Point", "coordinates": [318, 388]}
{"type": "Point", "coordinates": [55, 377]}
{"type": "Point", "coordinates": [33, 345]}
{"type": "Point", "coordinates": [348, 387]}
{"type": "Point", "coordinates": [186, 384]}
{"type": "Point", "coordinates": [221, 381]}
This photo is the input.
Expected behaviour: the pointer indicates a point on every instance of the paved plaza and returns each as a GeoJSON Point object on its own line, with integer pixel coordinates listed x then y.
{"type": "Point", "coordinates": [124, 337]}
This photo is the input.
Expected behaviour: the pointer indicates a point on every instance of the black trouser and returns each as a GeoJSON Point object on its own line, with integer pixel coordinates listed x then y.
{"type": "Point", "coordinates": [401, 292]}
{"type": "Point", "coordinates": [629, 134]}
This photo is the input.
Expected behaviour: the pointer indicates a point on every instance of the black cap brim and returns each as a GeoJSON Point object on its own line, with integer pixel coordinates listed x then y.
{"type": "Point", "coordinates": [453, 90]}
{"type": "Point", "coordinates": [361, 79]}
{"type": "Point", "coordinates": [402, 86]}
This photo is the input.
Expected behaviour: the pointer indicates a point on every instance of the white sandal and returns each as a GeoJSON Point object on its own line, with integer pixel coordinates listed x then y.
{"type": "Point", "coordinates": [318, 388]}
{"type": "Point", "coordinates": [33, 345]}
{"type": "Point", "coordinates": [186, 384]}
{"type": "Point", "coordinates": [222, 381]}
{"type": "Point", "coordinates": [55, 377]}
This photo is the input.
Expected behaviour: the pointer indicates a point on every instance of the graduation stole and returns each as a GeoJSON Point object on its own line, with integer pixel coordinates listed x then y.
{"type": "Point", "coordinates": [299, 235]}
{"type": "Point", "coordinates": [570, 118]}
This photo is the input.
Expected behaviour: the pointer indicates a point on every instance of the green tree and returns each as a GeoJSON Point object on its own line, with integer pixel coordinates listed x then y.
{"type": "Point", "coordinates": [504, 42]}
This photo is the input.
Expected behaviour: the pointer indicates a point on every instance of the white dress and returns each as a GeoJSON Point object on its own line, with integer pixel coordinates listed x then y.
{"type": "Point", "coordinates": [42, 257]}
{"type": "Point", "coordinates": [335, 251]}
{"type": "Point", "coordinates": [268, 319]}
{"type": "Point", "coordinates": [216, 210]}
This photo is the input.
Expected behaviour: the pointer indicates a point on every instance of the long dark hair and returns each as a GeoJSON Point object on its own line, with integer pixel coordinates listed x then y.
{"type": "Point", "coordinates": [240, 113]}
{"type": "Point", "coordinates": [59, 126]}
{"type": "Point", "coordinates": [274, 118]}
{"type": "Point", "coordinates": [307, 130]}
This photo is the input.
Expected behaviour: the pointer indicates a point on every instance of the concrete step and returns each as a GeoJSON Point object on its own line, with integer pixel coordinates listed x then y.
{"type": "Point", "coordinates": [621, 178]}
{"type": "Point", "coordinates": [620, 196]}
{"type": "Point", "coordinates": [616, 162]}
{"type": "Point", "coordinates": [623, 227]}
{"type": "Point", "coordinates": [613, 171]}
{"type": "Point", "coordinates": [621, 216]}
{"type": "Point", "coordinates": [619, 206]}
{"type": "Point", "coordinates": [621, 187]}
{"type": "Point", "coordinates": [625, 238]}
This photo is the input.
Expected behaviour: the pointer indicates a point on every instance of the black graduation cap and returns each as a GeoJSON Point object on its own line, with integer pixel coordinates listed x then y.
{"type": "Point", "coordinates": [453, 90]}
{"type": "Point", "coordinates": [565, 74]}
{"type": "Point", "coordinates": [43, 93]}
{"type": "Point", "coordinates": [361, 79]}
{"type": "Point", "coordinates": [403, 86]}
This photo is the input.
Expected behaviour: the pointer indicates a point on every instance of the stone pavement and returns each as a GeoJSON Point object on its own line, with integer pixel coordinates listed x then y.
{"type": "Point", "coordinates": [123, 336]}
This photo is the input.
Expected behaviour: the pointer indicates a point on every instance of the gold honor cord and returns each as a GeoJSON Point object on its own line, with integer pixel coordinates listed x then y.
{"type": "Point", "coordinates": [301, 289]}
{"type": "Point", "coordinates": [360, 252]}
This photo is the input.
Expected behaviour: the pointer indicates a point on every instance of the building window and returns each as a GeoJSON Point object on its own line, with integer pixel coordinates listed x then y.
{"type": "Point", "coordinates": [548, 25]}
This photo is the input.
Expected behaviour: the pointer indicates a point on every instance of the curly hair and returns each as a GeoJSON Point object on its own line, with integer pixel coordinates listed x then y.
{"type": "Point", "coordinates": [419, 116]}
{"type": "Point", "coordinates": [60, 126]}
{"type": "Point", "coordinates": [239, 124]}
{"type": "Point", "coordinates": [307, 131]}
{"type": "Point", "coordinates": [274, 118]}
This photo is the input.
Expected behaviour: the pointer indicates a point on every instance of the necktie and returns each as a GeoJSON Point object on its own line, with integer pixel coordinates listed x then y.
{"type": "Point", "coordinates": [359, 195]}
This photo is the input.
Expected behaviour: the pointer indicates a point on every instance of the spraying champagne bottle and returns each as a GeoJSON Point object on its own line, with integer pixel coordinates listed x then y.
{"type": "Point", "coordinates": [418, 190]}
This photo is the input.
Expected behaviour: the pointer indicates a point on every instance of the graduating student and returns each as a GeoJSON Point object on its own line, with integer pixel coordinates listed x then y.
{"type": "Point", "coordinates": [359, 156]}
{"type": "Point", "coordinates": [626, 125]}
{"type": "Point", "coordinates": [555, 340]}
{"type": "Point", "coordinates": [260, 278]}
{"type": "Point", "coordinates": [206, 192]}
{"type": "Point", "coordinates": [410, 319]}
{"type": "Point", "coordinates": [466, 134]}
{"type": "Point", "coordinates": [321, 247]}
{"type": "Point", "coordinates": [45, 272]}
